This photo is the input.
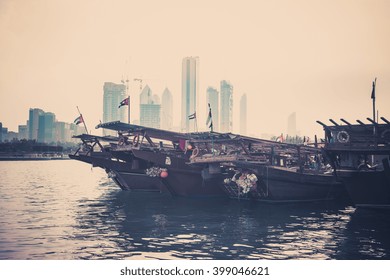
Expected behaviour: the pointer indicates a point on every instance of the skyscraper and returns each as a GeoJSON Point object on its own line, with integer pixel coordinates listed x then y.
{"type": "Point", "coordinates": [212, 98]}
{"type": "Point", "coordinates": [226, 107]}
{"type": "Point", "coordinates": [243, 110]}
{"type": "Point", "coordinates": [167, 110]}
{"type": "Point", "coordinates": [113, 94]}
{"type": "Point", "coordinates": [46, 128]}
{"type": "Point", "coordinates": [33, 123]}
{"type": "Point", "coordinates": [292, 124]}
{"type": "Point", "coordinates": [190, 81]}
{"type": "Point", "coordinates": [22, 132]}
{"type": "Point", "coordinates": [149, 108]}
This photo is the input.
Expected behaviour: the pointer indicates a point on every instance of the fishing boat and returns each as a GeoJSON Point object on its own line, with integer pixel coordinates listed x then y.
{"type": "Point", "coordinates": [217, 164]}
{"type": "Point", "coordinates": [167, 156]}
{"type": "Point", "coordinates": [360, 155]}
{"type": "Point", "coordinates": [269, 171]}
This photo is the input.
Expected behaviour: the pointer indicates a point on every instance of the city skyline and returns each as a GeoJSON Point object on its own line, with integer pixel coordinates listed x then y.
{"type": "Point", "coordinates": [288, 57]}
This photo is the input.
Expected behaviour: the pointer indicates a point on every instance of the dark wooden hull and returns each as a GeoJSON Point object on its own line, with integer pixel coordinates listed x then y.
{"type": "Point", "coordinates": [137, 181]}
{"type": "Point", "coordinates": [368, 189]}
{"type": "Point", "coordinates": [124, 174]}
{"type": "Point", "coordinates": [183, 179]}
{"type": "Point", "coordinates": [283, 185]}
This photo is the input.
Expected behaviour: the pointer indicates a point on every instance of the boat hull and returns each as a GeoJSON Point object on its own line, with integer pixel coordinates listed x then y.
{"type": "Point", "coordinates": [183, 180]}
{"type": "Point", "coordinates": [282, 185]}
{"type": "Point", "coordinates": [367, 189]}
{"type": "Point", "coordinates": [123, 173]}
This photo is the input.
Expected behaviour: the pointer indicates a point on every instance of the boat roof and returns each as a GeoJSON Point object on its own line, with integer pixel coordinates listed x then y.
{"type": "Point", "coordinates": [202, 137]}
{"type": "Point", "coordinates": [93, 138]}
{"type": "Point", "coordinates": [160, 133]}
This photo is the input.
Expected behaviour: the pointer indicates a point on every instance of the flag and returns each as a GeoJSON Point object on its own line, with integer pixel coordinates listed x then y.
{"type": "Point", "coordinates": [373, 89]}
{"type": "Point", "coordinates": [280, 138]}
{"type": "Point", "coordinates": [193, 116]}
{"type": "Point", "coordinates": [209, 118]}
{"type": "Point", "coordinates": [211, 126]}
{"type": "Point", "coordinates": [124, 102]}
{"type": "Point", "coordinates": [79, 120]}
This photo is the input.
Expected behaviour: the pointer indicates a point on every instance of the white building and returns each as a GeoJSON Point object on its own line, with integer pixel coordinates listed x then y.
{"type": "Point", "coordinates": [292, 124]}
{"type": "Point", "coordinates": [113, 94]}
{"type": "Point", "coordinates": [149, 108]}
{"type": "Point", "coordinates": [226, 107]}
{"type": "Point", "coordinates": [167, 110]}
{"type": "Point", "coordinates": [243, 114]}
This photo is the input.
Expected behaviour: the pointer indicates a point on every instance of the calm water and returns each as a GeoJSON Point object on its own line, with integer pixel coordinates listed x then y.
{"type": "Point", "coordinates": [66, 210]}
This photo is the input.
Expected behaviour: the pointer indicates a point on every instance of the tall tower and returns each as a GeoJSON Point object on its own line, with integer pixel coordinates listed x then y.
{"type": "Point", "coordinates": [46, 127]}
{"type": "Point", "coordinates": [190, 82]}
{"type": "Point", "coordinates": [149, 108]}
{"type": "Point", "coordinates": [243, 111]}
{"type": "Point", "coordinates": [113, 94]}
{"type": "Point", "coordinates": [33, 123]}
{"type": "Point", "coordinates": [167, 110]}
{"type": "Point", "coordinates": [212, 97]}
{"type": "Point", "coordinates": [226, 106]}
{"type": "Point", "coordinates": [292, 124]}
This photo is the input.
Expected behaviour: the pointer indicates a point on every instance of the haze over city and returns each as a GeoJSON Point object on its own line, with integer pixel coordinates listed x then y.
{"type": "Point", "coordinates": [315, 58]}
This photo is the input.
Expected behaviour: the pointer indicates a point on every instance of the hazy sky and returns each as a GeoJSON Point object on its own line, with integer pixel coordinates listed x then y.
{"type": "Point", "coordinates": [315, 58]}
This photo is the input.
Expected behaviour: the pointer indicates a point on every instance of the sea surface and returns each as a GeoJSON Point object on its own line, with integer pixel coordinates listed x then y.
{"type": "Point", "coordinates": [67, 210]}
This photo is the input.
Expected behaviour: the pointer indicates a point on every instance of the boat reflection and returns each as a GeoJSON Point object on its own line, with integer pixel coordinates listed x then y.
{"type": "Point", "coordinates": [127, 225]}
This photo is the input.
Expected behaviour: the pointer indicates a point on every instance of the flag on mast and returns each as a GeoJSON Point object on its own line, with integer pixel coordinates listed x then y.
{"type": "Point", "coordinates": [124, 102]}
{"type": "Point", "coordinates": [211, 126]}
{"type": "Point", "coordinates": [210, 116]}
{"type": "Point", "coordinates": [373, 89]}
{"type": "Point", "coordinates": [79, 120]}
{"type": "Point", "coordinates": [210, 119]}
{"type": "Point", "coordinates": [192, 116]}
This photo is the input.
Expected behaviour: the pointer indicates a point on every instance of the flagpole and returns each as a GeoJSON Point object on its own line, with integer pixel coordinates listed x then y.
{"type": "Point", "coordinates": [85, 126]}
{"type": "Point", "coordinates": [128, 110]}
{"type": "Point", "coordinates": [373, 99]}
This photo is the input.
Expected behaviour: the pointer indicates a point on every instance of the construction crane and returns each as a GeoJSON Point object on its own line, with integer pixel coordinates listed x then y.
{"type": "Point", "coordinates": [140, 83]}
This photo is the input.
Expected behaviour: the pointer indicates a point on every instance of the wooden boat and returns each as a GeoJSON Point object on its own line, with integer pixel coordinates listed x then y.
{"type": "Point", "coordinates": [268, 171]}
{"type": "Point", "coordinates": [167, 151]}
{"type": "Point", "coordinates": [360, 155]}
{"type": "Point", "coordinates": [201, 166]}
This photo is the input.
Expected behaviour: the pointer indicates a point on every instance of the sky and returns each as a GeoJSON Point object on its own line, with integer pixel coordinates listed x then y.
{"type": "Point", "coordinates": [315, 58]}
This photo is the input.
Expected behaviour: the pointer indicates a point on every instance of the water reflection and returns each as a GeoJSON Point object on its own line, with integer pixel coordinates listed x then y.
{"type": "Point", "coordinates": [65, 210]}
{"type": "Point", "coordinates": [136, 226]}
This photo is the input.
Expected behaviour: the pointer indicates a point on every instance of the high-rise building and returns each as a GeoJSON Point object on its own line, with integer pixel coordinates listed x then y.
{"type": "Point", "coordinates": [226, 107]}
{"type": "Point", "coordinates": [167, 110]}
{"type": "Point", "coordinates": [212, 98]}
{"type": "Point", "coordinates": [113, 94]}
{"type": "Point", "coordinates": [22, 132]}
{"type": "Point", "coordinates": [292, 124]}
{"type": "Point", "coordinates": [62, 132]}
{"type": "Point", "coordinates": [190, 82]}
{"type": "Point", "coordinates": [149, 108]}
{"type": "Point", "coordinates": [46, 128]}
{"type": "Point", "coordinates": [243, 112]}
{"type": "Point", "coordinates": [33, 123]}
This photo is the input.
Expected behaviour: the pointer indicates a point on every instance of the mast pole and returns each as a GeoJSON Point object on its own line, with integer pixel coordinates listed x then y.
{"type": "Point", "coordinates": [85, 126]}
{"type": "Point", "coordinates": [373, 100]}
